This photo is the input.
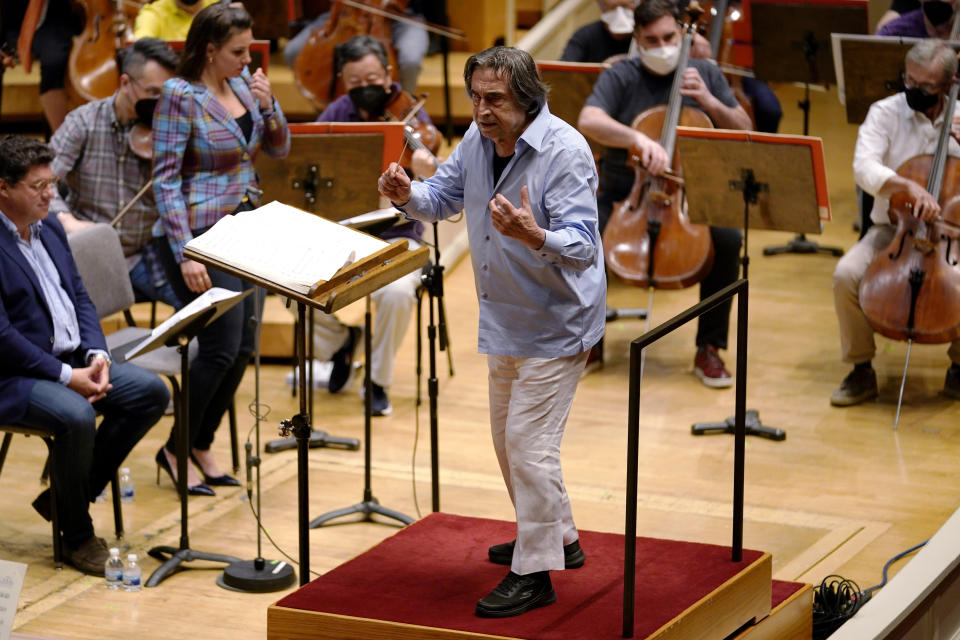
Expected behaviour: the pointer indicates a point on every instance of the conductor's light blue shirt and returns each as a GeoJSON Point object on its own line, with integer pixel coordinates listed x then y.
{"type": "Point", "coordinates": [548, 302]}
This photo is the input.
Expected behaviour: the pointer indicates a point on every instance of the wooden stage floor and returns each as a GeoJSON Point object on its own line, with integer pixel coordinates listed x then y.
{"type": "Point", "coordinates": [842, 494]}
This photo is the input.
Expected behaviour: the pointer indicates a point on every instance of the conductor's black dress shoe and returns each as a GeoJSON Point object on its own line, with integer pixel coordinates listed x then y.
{"type": "Point", "coordinates": [517, 594]}
{"type": "Point", "coordinates": [573, 555]}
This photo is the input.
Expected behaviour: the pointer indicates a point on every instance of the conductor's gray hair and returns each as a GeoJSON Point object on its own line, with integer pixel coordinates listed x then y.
{"type": "Point", "coordinates": [926, 51]}
{"type": "Point", "coordinates": [520, 71]}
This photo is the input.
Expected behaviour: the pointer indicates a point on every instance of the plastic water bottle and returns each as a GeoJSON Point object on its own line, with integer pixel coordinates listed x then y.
{"type": "Point", "coordinates": [113, 569]}
{"type": "Point", "coordinates": [131, 573]}
{"type": "Point", "coordinates": [126, 486]}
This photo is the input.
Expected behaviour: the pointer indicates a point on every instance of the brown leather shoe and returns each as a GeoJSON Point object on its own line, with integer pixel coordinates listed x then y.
{"type": "Point", "coordinates": [90, 557]}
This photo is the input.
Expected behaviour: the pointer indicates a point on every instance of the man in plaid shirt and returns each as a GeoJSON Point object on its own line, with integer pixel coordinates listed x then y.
{"type": "Point", "coordinates": [103, 174]}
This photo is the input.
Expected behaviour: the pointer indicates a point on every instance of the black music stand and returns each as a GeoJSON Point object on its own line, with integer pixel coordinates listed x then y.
{"type": "Point", "coordinates": [792, 44]}
{"type": "Point", "coordinates": [349, 284]}
{"type": "Point", "coordinates": [369, 505]}
{"type": "Point", "coordinates": [772, 181]}
{"type": "Point", "coordinates": [179, 332]}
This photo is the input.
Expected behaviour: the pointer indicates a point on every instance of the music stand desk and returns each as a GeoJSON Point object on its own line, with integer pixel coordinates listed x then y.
{"type": "Point", "coordinates": [351, 283]}
{"type": "Point", "coordinates": [753, 180]}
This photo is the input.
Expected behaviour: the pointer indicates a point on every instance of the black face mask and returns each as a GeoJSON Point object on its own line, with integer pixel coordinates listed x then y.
{"type": "Point", "coordinates": [920, 100]}
{"type": "Point", "coordinates": [938, 12]}
{"type": "Point", "coordinates": [189, 3]}
{"type": "Point", "coordinates": [370, 98]}
{"type": "Point", "coordinates": [144, 109]}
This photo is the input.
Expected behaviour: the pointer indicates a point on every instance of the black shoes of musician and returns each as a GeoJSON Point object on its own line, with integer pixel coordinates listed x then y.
{"type": "Point", "coordinates": [342, 372]}
{"type": "Point", "coordinates": [379, 402]}
{"type": "Point", "coordinates": [709, 367]}
{"type": "Point", "coordinates": [517, 594]}
{"type": "Point", "coordinates": [573, 555]}
{"type": "Point", "coordinates": [594, 359]}
{"type": "Point", "coordinates": [859, 386]}
{"type": "Point", "coordinates": [90, 557]}
{"type": "Point", "coordinates": [951, 385]}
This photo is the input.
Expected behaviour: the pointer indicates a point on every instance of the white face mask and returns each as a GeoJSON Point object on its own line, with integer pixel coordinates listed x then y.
{"type": "Point", "coordinates": [619, 21]}
{"type": "Point", "coordinates": [662, 60]}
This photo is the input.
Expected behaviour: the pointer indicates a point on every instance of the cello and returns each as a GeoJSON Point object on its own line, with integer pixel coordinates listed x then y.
{"type": "Point", "coordinates": [649, 240]}
{"type": "Point", "coordinates": [313, 70]}
{"type": "Point", "coordinates": [92, 67]}
{"type": "Point", "coordinates": [911, 291]}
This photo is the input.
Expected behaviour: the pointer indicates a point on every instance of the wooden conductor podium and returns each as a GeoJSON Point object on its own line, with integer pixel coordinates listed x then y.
{"type": "Point", "coordinates": [371, 264]}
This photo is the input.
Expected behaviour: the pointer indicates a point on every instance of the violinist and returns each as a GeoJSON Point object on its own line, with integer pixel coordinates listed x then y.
{"type": "Point", "coordinates": [607, 38]}
{"type": "Point", "coordinates": [50, 26]}
{"type": "Point", "coordinates": [629, 88]}
{"type": "Point", "coordinates": [102, 173]}
{"type": "Point", "coordinates": [932, 20]}
{"type": "Point", "coordinates": [410, 40]}
{"type": "Point", "coordinates": [896, 129]}
{"type": "Point", "coordinates": [366, 76]}
{"type": "Point", "coordinates": [167, 19]}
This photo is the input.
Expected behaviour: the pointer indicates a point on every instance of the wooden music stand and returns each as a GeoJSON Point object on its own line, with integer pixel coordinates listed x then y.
{"type": "Point", "coordinates": [331, 166]}
{"type": "Point", "coordinates": [868, 69]}
{"type": "Point", "coordinates": [570, 83]}
{"type": "Point", "coordinates": [758, 181]}
{"type": "Point", "coordinates": [350, 283]}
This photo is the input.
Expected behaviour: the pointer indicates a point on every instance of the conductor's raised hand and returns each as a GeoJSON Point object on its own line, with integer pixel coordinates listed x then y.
{"type": "Point", "coordinates": [394, 184]}
{"type": "Point", "coordinates": [517, 222]}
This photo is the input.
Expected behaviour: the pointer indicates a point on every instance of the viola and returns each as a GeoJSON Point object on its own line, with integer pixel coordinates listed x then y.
{"type": "Point", "coordinates": [314, 68]}
{"type": "Point", "coordinates": [910, 290]}
{"type": "Point", "coordinates": [649, 241]}
{"type": "Point", "coordinates": [403, 107]}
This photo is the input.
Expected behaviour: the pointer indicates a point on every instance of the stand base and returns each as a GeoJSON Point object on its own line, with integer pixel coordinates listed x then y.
{"type": "Point", "coordinates": [317, 439]}
{"type": "Point", "coordinates": [615, 314]}
{"type": "Point", "coordinates": [258, 576]}
{"type": "Point", "coordinates": [367, 508]}
{"type": "Point", "coordinates": [752, 427]}
{"type": "Point", "coordinates": [177, 557]}
{"type": "Point", "coordinates": [800, 244]}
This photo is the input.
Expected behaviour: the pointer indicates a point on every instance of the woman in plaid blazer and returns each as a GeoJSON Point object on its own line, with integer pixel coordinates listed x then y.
{"type": "Point", "coordinates": [207, 128]}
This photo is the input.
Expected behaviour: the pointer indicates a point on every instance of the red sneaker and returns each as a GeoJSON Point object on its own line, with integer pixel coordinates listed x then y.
{"type": "Point", "coordinates": [710, 368]}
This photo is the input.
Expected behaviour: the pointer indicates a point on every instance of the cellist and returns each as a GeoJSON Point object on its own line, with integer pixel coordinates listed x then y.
{"type": "Point", "coordinates": [627, 89]}
{"type": "Point", "coordinates": [896, 129]}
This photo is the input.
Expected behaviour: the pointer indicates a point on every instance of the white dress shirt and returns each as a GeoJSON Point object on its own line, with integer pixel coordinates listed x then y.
{"type": "Point", "coordinates": [892, 134]}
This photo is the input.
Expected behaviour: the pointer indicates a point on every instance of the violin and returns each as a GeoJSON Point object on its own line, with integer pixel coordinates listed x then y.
{"type": "Point", "coordinates": [314, 68]}
{"type": "Point", "coordinates": [910, 289]}
{"type": "Point", "coordinates": [140, 141]}
{"type": "Point", "coordinates": [92, 67]}
{"type": "Point", "coordinates": [404, 107]}
{"type": "Point", "coordinates": [649, 240]}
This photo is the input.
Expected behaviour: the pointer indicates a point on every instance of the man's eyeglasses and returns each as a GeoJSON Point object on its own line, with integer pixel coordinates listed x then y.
{"type": "Point", "coordinates": [911, 83]}
{"type": "Point", "coordinates": [152, 92]}
{"type": "Point", "coordinates": [42, 185]}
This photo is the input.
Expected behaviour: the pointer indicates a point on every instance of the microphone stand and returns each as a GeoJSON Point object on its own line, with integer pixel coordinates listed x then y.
{"type": "Point", "coordinates": [256, 575]}
{"type": "Point", "coordinates": [432, 281]}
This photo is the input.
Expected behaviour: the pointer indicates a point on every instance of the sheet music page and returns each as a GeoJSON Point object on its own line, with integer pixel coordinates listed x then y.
{"type": "Point", "coordinates": [285, 245]}
{"type": "Point", "coordinates": [206, 299]}
{"type": "Point", "coordinates": [11, 582]}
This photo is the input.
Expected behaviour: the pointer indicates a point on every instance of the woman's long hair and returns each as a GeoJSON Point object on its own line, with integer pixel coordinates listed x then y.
{"type": "Point", "coordinates": [212, 25]}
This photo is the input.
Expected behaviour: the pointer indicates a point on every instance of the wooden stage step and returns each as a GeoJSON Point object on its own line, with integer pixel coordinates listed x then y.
{"type": "Point", "coordinates": [423, 582]}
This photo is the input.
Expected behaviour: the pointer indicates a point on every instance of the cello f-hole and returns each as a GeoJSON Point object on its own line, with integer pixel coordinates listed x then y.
{"type": "Point", "coordinates": [903, 239]}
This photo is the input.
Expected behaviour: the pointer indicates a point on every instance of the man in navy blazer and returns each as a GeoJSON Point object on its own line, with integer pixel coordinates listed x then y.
{"type": "Point", "coordinates": [55, 372]}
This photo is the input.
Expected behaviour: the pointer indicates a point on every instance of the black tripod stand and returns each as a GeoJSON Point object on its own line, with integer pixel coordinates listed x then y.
{"type": "Point", "coordinates": [173, 557]}
{"type": "Point", "coordinates": [318, 437]}
{"type": "Point", "coordinates": [800, 242]}
{"type": "Point", "coordinates": [750, 188]}
{"type": "Point", "coordinates": [369, 505]}
{"type": "Point", "coordinates": [432, 280]}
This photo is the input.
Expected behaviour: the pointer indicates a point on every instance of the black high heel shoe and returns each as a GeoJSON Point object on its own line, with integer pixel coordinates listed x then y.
{"type": "Point", "coordinates": [196, 490]}
{"type": "Point", "coordinates": [217, 481]}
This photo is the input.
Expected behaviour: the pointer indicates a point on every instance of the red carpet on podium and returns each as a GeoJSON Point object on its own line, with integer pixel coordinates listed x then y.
{"type": "Point", "coordinates": [432, 573]}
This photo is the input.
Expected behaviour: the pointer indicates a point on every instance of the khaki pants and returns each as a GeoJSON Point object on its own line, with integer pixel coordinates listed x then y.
{"type": "Point", "coordinates": [530, 400]}
{"type": "Point", "coordinates": [856, 335]}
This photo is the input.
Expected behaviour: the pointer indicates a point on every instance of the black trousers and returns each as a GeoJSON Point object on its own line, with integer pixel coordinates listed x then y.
{"type": "Point", "coordinates": [712, 327]}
